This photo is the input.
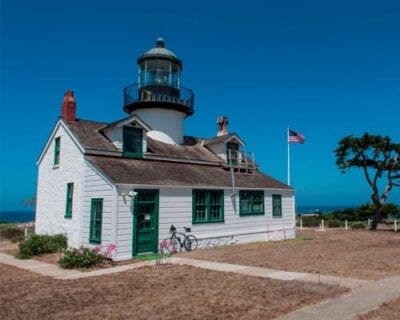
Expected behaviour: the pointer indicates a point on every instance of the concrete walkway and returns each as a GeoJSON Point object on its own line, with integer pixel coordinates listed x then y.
{"type": "Point", "coordinates": [365, 295]}
{"type": "Point", "coordinates": [54, 271]}
{"type": "Point", "coordinates": [346, 307]}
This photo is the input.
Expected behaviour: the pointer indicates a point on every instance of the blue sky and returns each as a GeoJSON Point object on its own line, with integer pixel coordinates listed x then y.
{"type": "Point", "coordinates": [327, 69]}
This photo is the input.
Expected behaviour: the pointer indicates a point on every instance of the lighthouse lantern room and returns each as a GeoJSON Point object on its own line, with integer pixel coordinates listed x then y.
{"type": "Point", "coordinates": [158, 96]}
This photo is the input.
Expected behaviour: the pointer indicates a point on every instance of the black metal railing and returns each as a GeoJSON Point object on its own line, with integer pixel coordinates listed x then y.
{"type": "Point", "coordinates": [154, 92]}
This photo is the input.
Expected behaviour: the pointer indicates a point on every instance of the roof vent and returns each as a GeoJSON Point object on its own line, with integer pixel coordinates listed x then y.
{"type": "Point", "coordinates": [222, 123]}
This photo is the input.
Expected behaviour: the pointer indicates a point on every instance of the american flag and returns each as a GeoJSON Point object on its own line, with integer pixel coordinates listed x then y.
{"type": "Point", "coordinates": [295, 137]}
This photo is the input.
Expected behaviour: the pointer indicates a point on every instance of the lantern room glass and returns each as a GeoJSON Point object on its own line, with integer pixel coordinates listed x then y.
{"type": "Point", "coordinates": [159, 72]}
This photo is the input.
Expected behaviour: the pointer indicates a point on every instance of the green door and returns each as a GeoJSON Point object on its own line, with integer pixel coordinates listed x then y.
{"type": "Point", "coordinates": [145, 222]}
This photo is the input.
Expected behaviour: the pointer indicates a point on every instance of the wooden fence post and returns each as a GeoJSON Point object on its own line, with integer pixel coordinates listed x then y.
{"type": "Point", "coordinates": [346, 226]}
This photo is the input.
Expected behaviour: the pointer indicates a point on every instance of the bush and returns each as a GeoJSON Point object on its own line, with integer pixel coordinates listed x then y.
{"type": "Point", "coordinates": [358, 225]}
{"type": "Point", "coordinates": [311, 221]}
{"type": "Point", "coordinates": [37, 245]}
{"type": "Point", "coordinates": [80, 258]}
{"type": "Point", "coordinates": [13, 232]}
{"type": "Point", "coordinates": [333, 223]}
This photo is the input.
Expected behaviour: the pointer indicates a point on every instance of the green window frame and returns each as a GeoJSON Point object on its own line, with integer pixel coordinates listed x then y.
{"type": "Point", "coordinates": [132, 144]}
{"type": "Point", "coordinates": [251, 203]}
{"type": "Point", "coordinates": [233, 156]}
{"type": "Point", "coordinates": [208, 206]}
{"type": "Point", "coordinates": [277, 205]}
{"type": "Point", "coordinates": [69, 201]}
{"type": "Point", "coordinates": [96, 220]}
{"type": "Point", "coordinates": [57, 145]}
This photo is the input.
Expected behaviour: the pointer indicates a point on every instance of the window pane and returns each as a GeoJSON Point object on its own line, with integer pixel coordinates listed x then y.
{"type": "Point", "coordinates": [207, 206]}
{"type": "Point", "coordinates": [68, 206]}
{"type": "Point", "coordinates": [96, 220]}
{"type": "Point", "coordinates": [277, 205]}
{"type": "Point", "coordinates": [132, 141]}
{"type": "Point", "coordinates": [57, 151]}
{"type": "Point", "coordinates": [251, 202]}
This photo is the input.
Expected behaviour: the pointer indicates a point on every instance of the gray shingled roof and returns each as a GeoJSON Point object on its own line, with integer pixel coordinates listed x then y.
{"type": "Point", "coordinates": [86, 131]}
{"type": "Point", "coordinates": [216, 140]}
{"type": "Point", "coordinates": [163, 173]}
{"type": "Point", "coordinates": [153, 172]}
{"type": "Point", "coordinates": [188, 152]}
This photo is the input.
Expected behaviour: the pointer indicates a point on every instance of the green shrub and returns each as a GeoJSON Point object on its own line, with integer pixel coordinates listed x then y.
{"type": "Point", "coordinates": [311, 221]}
{"type": "Point", "coordinates": [333, 223]}
{"type": "Point", "coordinates": [11, 232]}
{"type": "Point", "coordinates": [80, 258]}
{"type": "Point", "coordinates": [37, 245]}
{"type": "Point", "coordinates": [358, 225]}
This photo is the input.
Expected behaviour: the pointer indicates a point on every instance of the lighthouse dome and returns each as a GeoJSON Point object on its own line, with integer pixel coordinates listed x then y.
{"type": "Point", "coordinates": [160, 52]}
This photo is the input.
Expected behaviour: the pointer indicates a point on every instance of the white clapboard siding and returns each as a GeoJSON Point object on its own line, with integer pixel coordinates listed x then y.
{"type": "Point", "coordinates": [175, 207]}
{"type": "Point", "coordinates": [97, 187]}
{"type": "Point", "coordinates": [52, 188]}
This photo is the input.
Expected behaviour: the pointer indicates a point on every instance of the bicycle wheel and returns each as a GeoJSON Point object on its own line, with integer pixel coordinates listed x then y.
{"type": "Point", "coordinates": [190, 243]}
{"type": "Point", "coordinates": [169, 245]}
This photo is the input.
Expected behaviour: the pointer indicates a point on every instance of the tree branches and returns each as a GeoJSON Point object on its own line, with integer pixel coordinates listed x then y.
{"type": "Point", "coordinates": [378, 157]}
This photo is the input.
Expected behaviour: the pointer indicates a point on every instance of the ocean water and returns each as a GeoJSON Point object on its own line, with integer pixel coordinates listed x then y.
{"type": "Point", "coordinates": [17, 216]}
{"type": "Point", "coordinates": [322, 209]}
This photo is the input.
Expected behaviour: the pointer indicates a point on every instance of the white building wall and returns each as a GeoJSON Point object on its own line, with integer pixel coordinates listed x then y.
{"type": "Point", "coordinates": [169, 122]}
{"type": "Point", "coordinates": [97, 187]}
{"type": "Point", "coordinates": [175, 207]}
{"type": "Point", "coordinates": [52, 189]}
{"type": "Point", "coordinates": [219, 149]}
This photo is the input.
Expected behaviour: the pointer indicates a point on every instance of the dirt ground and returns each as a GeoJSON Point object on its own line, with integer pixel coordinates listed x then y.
{"type": "Point", "coordinates": [387, 311]}
{"type": "Point", "coordinates": [356, 254]}
{"type": "Point", "coordinates": [162, 292]}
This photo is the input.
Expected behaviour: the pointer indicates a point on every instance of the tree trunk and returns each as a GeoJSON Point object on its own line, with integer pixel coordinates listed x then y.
{"type": "Point", "coordinates": [376, 218]}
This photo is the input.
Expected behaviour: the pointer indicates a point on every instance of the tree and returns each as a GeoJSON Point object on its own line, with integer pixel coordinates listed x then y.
{"type": "Point", "coordinates": [379, 158]}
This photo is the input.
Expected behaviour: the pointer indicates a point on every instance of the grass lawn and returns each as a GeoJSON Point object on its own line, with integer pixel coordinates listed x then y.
{"type": "Point", "coordinates": [387, 311]}
{"type": "Point", "coordinates": [162, 292]}
{"type": "Point", "coordinates": [356, 254]}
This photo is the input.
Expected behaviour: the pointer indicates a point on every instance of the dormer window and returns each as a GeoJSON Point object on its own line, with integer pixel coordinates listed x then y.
{"type": "Point", "coordinates": [132, 142]}
{"type": "Point", "coordinates": [232, 153]}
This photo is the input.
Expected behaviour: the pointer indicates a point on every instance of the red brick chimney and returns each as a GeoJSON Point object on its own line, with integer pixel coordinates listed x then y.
{"type": "Point", "coordinates": [68, 107]}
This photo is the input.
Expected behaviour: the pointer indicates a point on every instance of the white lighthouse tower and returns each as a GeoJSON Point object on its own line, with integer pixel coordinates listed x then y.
{"type": "Point", "coordinates": [158, 97]}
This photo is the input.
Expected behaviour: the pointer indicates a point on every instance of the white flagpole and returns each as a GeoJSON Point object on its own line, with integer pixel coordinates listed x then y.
{"type": "Point", "coordinates": [288, 157]}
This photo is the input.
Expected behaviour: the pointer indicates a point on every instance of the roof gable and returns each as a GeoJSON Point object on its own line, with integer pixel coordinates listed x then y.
{"type": "Point", "coordinates": [134, 120]}
{"type": "Point", "coordinates": [64, 125]}
{"type": "Point", "coordinates": [224, 139]}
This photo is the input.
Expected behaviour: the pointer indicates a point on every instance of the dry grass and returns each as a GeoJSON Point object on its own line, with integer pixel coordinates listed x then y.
{"type": "Point", "coordinates": [356, 254]}
{"type": "Point", "coordinates": [387, 311]}
{"type": "Point", "coordinates": [164, 292]}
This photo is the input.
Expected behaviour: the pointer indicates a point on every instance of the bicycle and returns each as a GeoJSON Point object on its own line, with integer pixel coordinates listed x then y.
{"type": "Point", "coordinates": [173, 243]}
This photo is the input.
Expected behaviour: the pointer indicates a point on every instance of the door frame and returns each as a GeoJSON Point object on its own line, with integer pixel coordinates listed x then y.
{"type": "Point", "coordinates": [154, 219]}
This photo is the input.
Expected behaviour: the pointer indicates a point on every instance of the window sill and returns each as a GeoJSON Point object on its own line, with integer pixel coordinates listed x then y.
{"type": "Point", "coordinates": [206, 222]}
{"type": "Point", "coordinates": [56, 166]}
{"type": "Point", "coordinates": [277, 217]}
{"type": "Point", "coordinates": [91, 241]}
{"type": "Point", "coordinates": [251, 214]}
{"type": "Point", "coordinates": [68, 217]}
